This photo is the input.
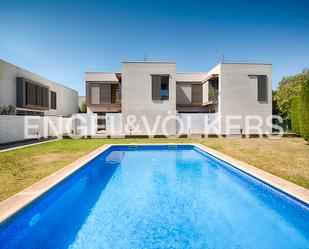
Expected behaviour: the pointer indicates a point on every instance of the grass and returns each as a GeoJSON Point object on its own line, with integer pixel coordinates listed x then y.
{"type": "Point", "coordinates": [287, 158]}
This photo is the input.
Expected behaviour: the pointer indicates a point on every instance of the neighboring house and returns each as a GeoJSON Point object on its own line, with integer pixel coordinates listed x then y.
{"type": "Point", "coordinates": [34, 95]}
{"type": "Point", "coordinates": [155, 89]}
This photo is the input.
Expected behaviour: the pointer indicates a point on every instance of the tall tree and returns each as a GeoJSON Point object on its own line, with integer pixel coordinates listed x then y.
{"type": "Point", "coordinates": [304, 110]}
{"type": "Point", "coordinates": [295, 116]}
{"type": "Point", "coordinates": [274, 104]}
{"type": "Point", "coordinates": [288, 90]}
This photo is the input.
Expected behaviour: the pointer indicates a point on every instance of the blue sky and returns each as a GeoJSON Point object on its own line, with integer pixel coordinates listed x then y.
{"type": "Point", "coordinates": [60, 40]}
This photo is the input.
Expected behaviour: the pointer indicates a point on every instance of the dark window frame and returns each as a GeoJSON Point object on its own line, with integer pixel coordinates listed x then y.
{"type": "Point", "coordinates": [39, 95]}
{"type": "Point", "coordinates": [31, 94]}
{"type": "Point", "coordinates": [262, 84]}
{"type": "Point", "coordinates": [111, 92]}
{"type": "Point", "coordinates": [262, 88]}
{"type": "Point", "coordinates": [159, 83]}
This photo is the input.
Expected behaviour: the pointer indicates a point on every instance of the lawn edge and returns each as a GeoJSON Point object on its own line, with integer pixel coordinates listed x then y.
{"type": "Point", "coordinates": [23, 198]}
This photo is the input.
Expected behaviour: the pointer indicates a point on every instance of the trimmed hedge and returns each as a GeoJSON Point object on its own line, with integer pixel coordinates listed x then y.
{"type": "Point", "coordinates": [304, 110]}
{"type": "Point", "coordinates": [295, 116]}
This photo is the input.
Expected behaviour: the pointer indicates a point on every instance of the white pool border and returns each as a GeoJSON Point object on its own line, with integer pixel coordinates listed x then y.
{"type": "Point", "coordinates": [15, 203]}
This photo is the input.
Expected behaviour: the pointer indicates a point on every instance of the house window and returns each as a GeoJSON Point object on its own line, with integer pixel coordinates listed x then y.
{"type": "Point", "coordinates": [39, 96]}
{"type": "Point", "coordinates": [45, 93]}
{"type": "Point", "coordinates": [95, 94]}
{"type": "Point", "coordinates": [30, 94]}
{"type": "Point", "coordinates": [105, 93]}
{"type": "Point", "coordinates": [262, 88]}
{"type": "Point", "coordinates": [101, 93]}
{"type": "Point", "coordinates": [160, 87]}
{"type": "Point", "coordinates": [196, 94]}
{"type": "Point", "coordinates": [53, 100]}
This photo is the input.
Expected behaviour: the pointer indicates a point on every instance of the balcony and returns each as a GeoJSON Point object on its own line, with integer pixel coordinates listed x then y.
{"type": "Point", "coordinates": [103, 97]}
{"type": "Point", "coordinates": [213, 95]}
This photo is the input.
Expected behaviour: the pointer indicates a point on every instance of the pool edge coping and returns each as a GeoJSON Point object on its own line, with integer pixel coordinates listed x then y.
{"type": "Point", "coordinates": [292, 189]}
{"type": "Point", "coordinates": [15, 203]}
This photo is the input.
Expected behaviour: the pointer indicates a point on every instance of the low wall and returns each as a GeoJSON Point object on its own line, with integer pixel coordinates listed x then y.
{"type": "Point", "coordinates": [187, 123]}
{"type": "Point", "coordinates": [17, 128]}
{"type": "Point", "coordinates": [113, 123]}
{"type": "Point", "coordinates": [197, 123]}
{"type": "Point", "coordinates": [85, 124]}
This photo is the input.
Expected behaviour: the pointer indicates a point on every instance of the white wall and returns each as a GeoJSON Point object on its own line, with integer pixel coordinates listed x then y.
{"type": "Point", "coordinates": [17, 128]}
{"type": "Point", "coordinates": [113, 123]}
{"type": "Point", "coordinates": [198, 123]}
{"type": "Point", "coordinates": [238, 94]}
{"type": "Point", "coordinates": [137, 94]}
{"type": "Point", "coordinates": [85, 124]}
{"type": "Point", "coordinates": [67, 99]}
{"type": "Point", "coordinates": [11, 128]}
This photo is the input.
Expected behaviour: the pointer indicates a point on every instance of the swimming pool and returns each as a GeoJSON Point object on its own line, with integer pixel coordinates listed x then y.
{"type": "Point", "coordinates": [159, 197]}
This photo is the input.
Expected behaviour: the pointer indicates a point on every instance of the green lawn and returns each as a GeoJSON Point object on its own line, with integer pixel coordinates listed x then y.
{"type": "Point", "coordinates": [286, 157]}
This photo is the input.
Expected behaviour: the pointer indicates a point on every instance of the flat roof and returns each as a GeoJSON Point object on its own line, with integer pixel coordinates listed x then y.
{"type": "Point", "coordinates": [162, 62]}
{"type": "Point", "coordinates": [101, 77]}
{"type": "Point", "coordinates": [252, 63]}
{"type": "Point", "coordinates": [39, 76]}
{"type": "Point", "coordinates": [180, 76]}
{"type": "Point", "coordinates": [190, 77]}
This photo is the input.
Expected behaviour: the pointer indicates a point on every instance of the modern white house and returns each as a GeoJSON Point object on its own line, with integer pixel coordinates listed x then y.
{"type": "Point", "coordinates": [157, 93]}
{"type": "Point", "coordinates": [32, 94]}
{"type": "Point", "coordinates": [33, 100]}
{"type": "Point", "coordinates": [144, 98]}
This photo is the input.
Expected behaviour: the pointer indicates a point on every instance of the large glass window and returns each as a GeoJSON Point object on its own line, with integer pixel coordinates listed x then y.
{"type": "Point", "coordinates": [103, 93]}
{"type": "Point", "coordinates": [31, 94]}
{"type": "Point", "coordinates": [160, 87]}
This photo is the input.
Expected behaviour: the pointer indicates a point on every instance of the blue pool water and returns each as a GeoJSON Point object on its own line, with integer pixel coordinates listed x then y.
{"type": "Point", "coordinates": [159, 197]}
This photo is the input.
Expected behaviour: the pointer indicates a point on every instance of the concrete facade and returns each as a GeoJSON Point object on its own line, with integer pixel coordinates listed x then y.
{"type": "Point", "coordinates": [137, 95]}
{"type": "Point", "coordinates": [227, 89]}
{"type": "Point", "coordinates": [238, 94]}
{"type": "Point", "coordinates": [67, 98]}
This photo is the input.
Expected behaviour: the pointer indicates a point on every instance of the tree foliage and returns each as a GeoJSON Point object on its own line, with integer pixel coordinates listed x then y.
{"type": "Point", "coordinates": [288, 90]}
{"type": "Point", "coordinates": [295, 116]}
{"type": "Point", "coordinates": [83, 107]}
{"type": "Point", "coordinates": [8, 110]}
{"type": "Point", "coordinates": [304, 110]}
{"type": "Point", "coordinates": [274, 103]}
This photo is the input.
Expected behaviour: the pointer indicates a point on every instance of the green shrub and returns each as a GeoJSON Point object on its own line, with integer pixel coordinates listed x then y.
{"type": "Point", "coordinates": [289, 89]}
{"type": "Point", "coordinates": [8, 110]}
{"type": "Point", "coordinates": [295, 116]}
{"type": "Point", "coordinates": [304, 110]}
{"type": "Point", "coordinates": [83, 108]}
